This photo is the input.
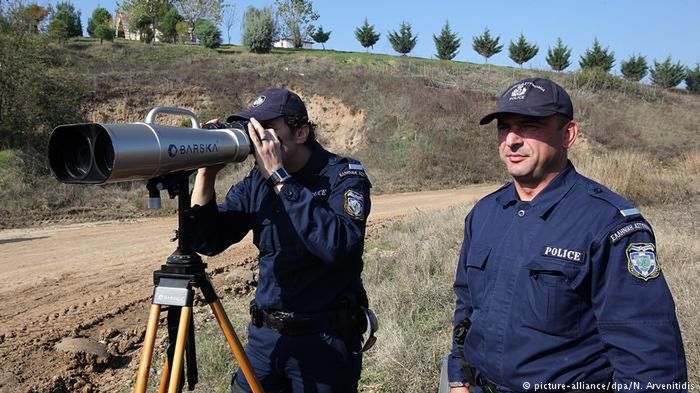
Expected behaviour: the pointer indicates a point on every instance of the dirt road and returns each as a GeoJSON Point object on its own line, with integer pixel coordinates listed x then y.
{"type": "Point", "coordinates": [93, 282]}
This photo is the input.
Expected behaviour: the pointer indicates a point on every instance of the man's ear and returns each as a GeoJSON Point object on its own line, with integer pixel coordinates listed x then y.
{"type": "Point", "coordinates": [570, 135]}
{"type": "Point", "coordinates": [301, 134]}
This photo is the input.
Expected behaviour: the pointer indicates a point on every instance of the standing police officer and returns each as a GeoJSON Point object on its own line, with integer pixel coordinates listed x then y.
{"type": "Point", "coordinates": [558, 276]}
{"type": "Point", "coordinates": [307, 209]}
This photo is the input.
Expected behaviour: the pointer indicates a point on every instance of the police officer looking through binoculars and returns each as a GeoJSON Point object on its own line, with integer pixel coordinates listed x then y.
{"type": "Point", "coordinates": [307, 208]}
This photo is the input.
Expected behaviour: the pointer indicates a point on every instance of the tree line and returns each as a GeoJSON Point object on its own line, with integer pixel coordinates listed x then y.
{"type": "Point", "coordinates": [198, 20]}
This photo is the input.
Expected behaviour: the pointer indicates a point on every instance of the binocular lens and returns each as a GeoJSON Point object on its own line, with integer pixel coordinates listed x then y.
{"type": "Point", "coordinates": [104, 153]}
{"type": "Point", "coordinates": [76, 154]}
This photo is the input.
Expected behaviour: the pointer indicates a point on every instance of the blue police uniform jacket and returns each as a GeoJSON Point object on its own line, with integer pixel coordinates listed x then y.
{"type": "Point", "coordinates": [565, 289]}
{"type": "Point", "coordinates": [310, 235]}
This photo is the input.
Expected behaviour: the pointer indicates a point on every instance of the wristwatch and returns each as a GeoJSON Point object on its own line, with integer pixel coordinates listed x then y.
{"type": "Point", "coordinates": [459, 384]}
{"type": "Point", "coordinates": [277, 176]}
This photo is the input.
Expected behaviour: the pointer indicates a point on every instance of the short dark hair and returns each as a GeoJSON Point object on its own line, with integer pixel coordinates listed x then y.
{"type": "Point", "coordinates": [296, 122]}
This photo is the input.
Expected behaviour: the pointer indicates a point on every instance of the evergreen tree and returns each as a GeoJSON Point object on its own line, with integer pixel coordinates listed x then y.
{"type": "Point", "coordinates": [485, 45]}
{"type": "Point", "coordinates": [66, 21]}
{"type": "Point", "coordinates": [522, 51]}
{"type": "Point", "coordinates": [447, 43]}
{"type": "Point", "coordinates": [168, 25]}
{"type": "Point", "coordinates": [692, 79]}
{"type": "Point", "coordinates": [635, 68]}
{"type": "Point", "coordinates": [99, 16]}
{"type": "Point", "coordinates": [667, 74]}
{"type": "Point", "coordinates": [207, 33]}
{"type": "Point", "coordinates": [321, 36]}
{"type": "Point", "coordinates": [403, 41]}
{"type": "Point", "coordinates": [104, 32]}
{"type": "Point", "coordinates": [558, 57]}
{"type": "Point", "coordinates": [259, 29]}
{"type": "Point", "coordinates": [366, 35]}
{"type": "Point", "coordinates": [597, 57]}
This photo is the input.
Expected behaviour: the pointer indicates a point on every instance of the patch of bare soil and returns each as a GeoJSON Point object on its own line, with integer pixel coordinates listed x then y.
{"type": "Point", "coordinates": [75, 297]}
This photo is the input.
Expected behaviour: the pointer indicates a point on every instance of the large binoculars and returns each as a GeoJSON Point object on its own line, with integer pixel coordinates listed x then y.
{"type": "Point", "coordinates": [95, 153]}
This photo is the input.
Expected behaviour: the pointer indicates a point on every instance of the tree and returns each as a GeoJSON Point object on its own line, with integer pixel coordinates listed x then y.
{"type": "Point", "coordinates": [145, 15]}
{"type": "Point", "coordinates": [34, 15]}
{"type": "Point", "coordinates": [168, 26]}
{"type": "Point", "coordinates": [207, 33]}
{"type": "Point", "coordinates": [404, 41]}
{"type": "Point", "coordinates": [522, 51]}
{"type": "Point", "coordinates": [66, 22]}
{"type": "Point", "coordinates": [321, 36]}
{"type": "Point", "coordinates": [558, 57]}
{"type": "Point", "coordinates": [597, 57]}
{"type": "Point", "coordinates": [667, 74]}
{"type": "Point", "coordinates": [635, 68]}
{"type": "Point", "coordinates": [99, 16]}
{"type": "Point", "coordinates": [229, 16]}
{"type": "Point", "coordinates": [183, 31]}
{"type": "Point", "coordinates": [692, 79]}
{"type": "Point", "coordinates": [143, 25]}
{"type": "Point", "coordinates": [259, 29]}
{"type": "Point", "coordinates": [447, 43]}
{"type": "Point", "coordinates": [194, 10]}
{"type": "Point", "coordinates": [297, 19]}
{"type": "Point", "coordinates": [366, 35]}
{"type": "Point", "coordinates": [104, 32]}
{"type": "Point", "coordinates": [485, 45]}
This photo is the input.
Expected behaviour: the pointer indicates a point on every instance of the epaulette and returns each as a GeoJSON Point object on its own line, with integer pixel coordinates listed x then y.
{"type": "Point", "coordinates": [351, 167]}
{"type": "Point", "coordinates": [625, 207]}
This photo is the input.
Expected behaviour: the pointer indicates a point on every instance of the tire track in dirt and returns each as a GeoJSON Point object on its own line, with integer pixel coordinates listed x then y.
{"type": "Point", "coordinates": [95, 281]}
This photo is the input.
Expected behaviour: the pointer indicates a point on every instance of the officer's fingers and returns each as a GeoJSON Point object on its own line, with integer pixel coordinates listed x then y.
{"type": "Point", "coordinates": [254, 138]}
{"type": "Point", "coordinates": [273, 135]}
{"type": "Point", "coordinates": [215, 121]}
{"type": "Point", "coordinates": [258, 127]}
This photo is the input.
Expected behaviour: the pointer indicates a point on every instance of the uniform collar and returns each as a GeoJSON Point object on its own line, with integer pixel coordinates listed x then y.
{"type": "Point", "coordinates": [548, 197]}
{"type": "Point", "coordinates": [317, 160]}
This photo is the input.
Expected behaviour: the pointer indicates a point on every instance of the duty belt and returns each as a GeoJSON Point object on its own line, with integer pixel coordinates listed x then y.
{"type": "Point", "coordinates": [297, 324]}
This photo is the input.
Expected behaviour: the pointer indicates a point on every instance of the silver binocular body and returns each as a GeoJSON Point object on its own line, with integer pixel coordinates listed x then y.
{"type": "Point", "coordinates": [95, 153]}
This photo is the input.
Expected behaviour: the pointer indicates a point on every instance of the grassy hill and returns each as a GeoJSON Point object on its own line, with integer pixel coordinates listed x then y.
{"type": "Point", "coordinates": [412, 122]}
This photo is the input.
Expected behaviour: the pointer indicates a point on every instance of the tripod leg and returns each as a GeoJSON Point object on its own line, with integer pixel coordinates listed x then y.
{"type": "Point", "coordinates": [147, 352]}
{"type": "Point", "coordinates": [185, 314]}
{"type": "Point", "coordinates": [236, 347]}
{"type": "Point", "coordinates": [163, 386]}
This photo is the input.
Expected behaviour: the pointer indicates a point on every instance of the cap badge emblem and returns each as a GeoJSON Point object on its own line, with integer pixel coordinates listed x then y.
{"type": "Point", "coordinates": [519, 90]}
{"type": "Point", "coordinates": [258, 101]}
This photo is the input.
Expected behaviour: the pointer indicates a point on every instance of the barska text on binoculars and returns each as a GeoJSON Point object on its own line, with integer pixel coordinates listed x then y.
{"type": "Point", "coordinates": [201, 148]}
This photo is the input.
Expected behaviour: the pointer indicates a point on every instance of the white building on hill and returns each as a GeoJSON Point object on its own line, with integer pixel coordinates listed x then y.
{"type": "Point", "coordinates": [289, 43]}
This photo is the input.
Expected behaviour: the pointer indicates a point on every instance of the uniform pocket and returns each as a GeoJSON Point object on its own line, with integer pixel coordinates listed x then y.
{"type": "Point", "coordinates": [478, 278]}
{"type": "Point", "coordinates": [264, 237]}
{"type": "Point", "coordinates": [551, 303]}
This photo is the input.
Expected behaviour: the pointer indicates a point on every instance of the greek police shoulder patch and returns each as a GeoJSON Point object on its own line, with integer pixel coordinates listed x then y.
{"type": "Point", "coordinates": [628, 229]}
{"type": "Point", "coordinates": [354, 204]}
{"type": "Point", "coordinates": [641, 261]}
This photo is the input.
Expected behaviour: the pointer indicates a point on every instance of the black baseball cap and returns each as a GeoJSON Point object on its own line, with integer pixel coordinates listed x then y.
{"type": "Point", "coordinates": [533, 97]}
{"type": "Point", "coordinates": [272, 103]}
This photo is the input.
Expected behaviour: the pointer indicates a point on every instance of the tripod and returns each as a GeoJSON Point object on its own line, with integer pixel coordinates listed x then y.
{"type": "Point", "coordinates": [174, 288]}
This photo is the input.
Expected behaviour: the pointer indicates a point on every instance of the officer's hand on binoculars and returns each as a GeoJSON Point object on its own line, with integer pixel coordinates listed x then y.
{"type": "Point", "coordinates": [268, 149]}
{"type": "Point", "coordinates": [214, 169]}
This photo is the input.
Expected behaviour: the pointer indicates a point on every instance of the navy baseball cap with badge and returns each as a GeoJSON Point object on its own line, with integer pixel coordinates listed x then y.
{"type": "Point", "coordinates": [272, 103]}
{"type": "Point", "coordinates": [536, 97]}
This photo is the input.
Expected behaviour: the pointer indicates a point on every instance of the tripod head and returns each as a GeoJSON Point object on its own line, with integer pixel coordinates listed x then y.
{"type": "Point", "coordinates": [184, 260]}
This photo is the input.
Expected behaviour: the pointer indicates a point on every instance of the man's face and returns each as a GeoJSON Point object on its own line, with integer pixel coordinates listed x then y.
{"type": "Point", "coordinates": [533, 148]}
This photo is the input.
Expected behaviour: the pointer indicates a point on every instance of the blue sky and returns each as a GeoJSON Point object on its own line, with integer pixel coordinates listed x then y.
{"type": "Point", "coordinates": [655, 29]}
